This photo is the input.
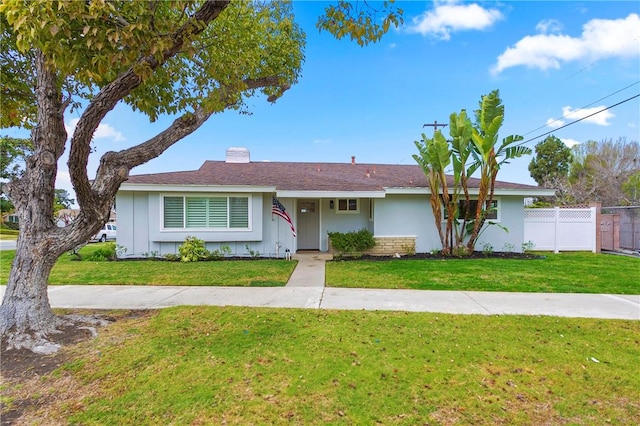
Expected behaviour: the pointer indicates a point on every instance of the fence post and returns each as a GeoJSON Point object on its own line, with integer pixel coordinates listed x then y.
{"type": "Point", "coordinates": [595, 224]}
{"type": "Point", "coordinates": [597, 205]}
{"type": "Point", "coordinates": [556, 220]}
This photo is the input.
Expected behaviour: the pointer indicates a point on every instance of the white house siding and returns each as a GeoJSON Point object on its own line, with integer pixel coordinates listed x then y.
{"type": "Point", "coordinates": [410, 215]}
{"type": "Point", "coordinates": [277, 230]}
{"type": "Point", "coordinates": [133, 228]}
{"type": "Point", "coordinates": [140, 233]}
{"type": "Point", "coordinates": [511, 216]}
{"type": "Point", "coordinates": [140, 227]}
{"type": "Point", "coordinates": [406, 215]}
{"type": "Point", "coordinates": [332, 221]}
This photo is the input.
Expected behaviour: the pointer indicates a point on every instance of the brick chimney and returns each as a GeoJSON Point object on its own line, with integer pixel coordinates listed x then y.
{"type": "Point", "coordinates": [353, 159]}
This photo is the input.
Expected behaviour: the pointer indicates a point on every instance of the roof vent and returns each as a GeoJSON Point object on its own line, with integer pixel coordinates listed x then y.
{"type": "Point", "coordinates": [237, 155]}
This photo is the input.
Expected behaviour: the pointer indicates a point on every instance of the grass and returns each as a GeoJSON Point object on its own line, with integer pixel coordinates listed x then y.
{"type": "Point", "coordinates": [8, 234]}
{"type": "Point", "coordinates": [247, 273]}
{"type": "Point", "coordinates": [270, 366]}
{"type": "Point", "coordinates": [556, 273]}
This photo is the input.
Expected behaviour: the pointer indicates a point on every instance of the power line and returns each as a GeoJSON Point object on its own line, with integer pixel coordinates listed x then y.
{"type": "Point", "coordinates": [586, 106]}
{"type": "Point", "coordinates": [578, 120]}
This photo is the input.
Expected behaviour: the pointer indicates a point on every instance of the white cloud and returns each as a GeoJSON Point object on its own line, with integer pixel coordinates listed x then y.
{"type": "Point", "coordinates": [555, 123]}
{"type": "Point", "coordinates": [321, 141]}
{"type": "Point", "coordinates": [549, 26]}
{"type": "Point", "coordinates": [589, 115]}
{"type": "Point", "coordinates": [104, 131]}
{"type": "Point", "coordinates": [600, 38]}
{"type": "Point", "coordinates": [570, 142]}
{"type": "Point", "coordinates": [63, 181]}
{"type": "Point", "coordinates": [449, 16]}
{"type": "Point", "coordinates": [601, 119]}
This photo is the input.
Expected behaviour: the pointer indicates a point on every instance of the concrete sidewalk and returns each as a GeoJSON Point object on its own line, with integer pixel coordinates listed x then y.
{"type": "Point", "coordinates": [454, 302]}
{"type": "Point", "coordinates": [305, 289]}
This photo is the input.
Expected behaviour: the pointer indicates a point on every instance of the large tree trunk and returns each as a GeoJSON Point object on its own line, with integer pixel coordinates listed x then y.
{"type": "Point", "coordinates": [25, 315]}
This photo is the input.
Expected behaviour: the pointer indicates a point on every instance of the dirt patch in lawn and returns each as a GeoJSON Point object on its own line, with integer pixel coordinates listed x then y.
{"type": "Point", "coordinates": [22, 371]}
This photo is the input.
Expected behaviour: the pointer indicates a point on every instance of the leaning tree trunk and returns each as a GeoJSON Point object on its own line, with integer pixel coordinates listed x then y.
{"type": "Point", "coordinates": [25, 315]}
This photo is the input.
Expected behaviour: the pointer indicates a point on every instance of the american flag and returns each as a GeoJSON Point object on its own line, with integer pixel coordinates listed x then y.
{"type": "Point", "coordinates": [278, 209]}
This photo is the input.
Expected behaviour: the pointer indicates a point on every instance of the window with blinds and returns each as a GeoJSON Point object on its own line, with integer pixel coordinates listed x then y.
{"type": "Point", "coordinates": [206, 212]}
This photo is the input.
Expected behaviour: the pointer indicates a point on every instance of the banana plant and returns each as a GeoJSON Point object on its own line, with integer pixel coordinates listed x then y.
{"type": "Point", "coordinates": [460, 130]}
{"type": "Point", "coordinates": [488, 159]}
{"type": "Point", "coordinates": [434, 156]}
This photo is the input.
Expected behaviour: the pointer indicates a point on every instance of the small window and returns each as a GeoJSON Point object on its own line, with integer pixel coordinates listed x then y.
{"type": "Point", "coordinates": [348, 205]}
{"type": "Point", "coordinates": [492, 214]}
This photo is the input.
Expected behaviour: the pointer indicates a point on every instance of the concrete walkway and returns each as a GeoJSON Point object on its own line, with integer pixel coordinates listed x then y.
{"type": "Point", "coordinates": [310, 270]}
{"type": "Point", "coordinates": [305, 289]}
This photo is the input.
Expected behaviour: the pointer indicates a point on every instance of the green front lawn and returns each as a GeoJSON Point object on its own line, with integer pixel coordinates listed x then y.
{"type": "Point", "coordinates": [232, 365]}
{"type": "Point", "coordinates": [247, 273]}
{"type": "Point", "coordinates": [556, 273]}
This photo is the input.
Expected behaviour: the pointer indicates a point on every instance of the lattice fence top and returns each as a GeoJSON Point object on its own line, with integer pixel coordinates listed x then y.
{"type": "Point", "coordinates": [576, 206]}
{"type": "Point", "coordinates": [564, 214]}
{"type": "Point", "coordinates": [575, 214]}
{"type": "Point", "coordinates": [539, 213]}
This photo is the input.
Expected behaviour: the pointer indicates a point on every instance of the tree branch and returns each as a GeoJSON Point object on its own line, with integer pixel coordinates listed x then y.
{"type": "Point", "coordinates": [118, 164]}
{"type": "Point", "coordinates": [122, 86]}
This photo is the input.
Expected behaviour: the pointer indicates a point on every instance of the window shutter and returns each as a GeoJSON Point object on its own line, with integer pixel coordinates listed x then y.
{"type": "Point", "coordinates": [173, 212]}
{"type": "Point", "coordinates": [217, 212]}
{"type": "Point", "coordinates": [196, 212]}
{"type": "Point", "coordinates": [238, 212]}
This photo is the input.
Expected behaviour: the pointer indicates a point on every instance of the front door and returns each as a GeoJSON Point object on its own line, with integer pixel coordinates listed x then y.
{"type": "Point", "coordinates": [308, 225]}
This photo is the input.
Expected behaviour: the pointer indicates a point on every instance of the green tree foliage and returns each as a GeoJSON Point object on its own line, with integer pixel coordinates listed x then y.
{"type": "Point", "coordinates": [631, 189]}
{"type": "Point", "coordinates": [473, 148]}
{"type": "Point", "coordinates": [359, 20]}
{"type": "Point", "coordinates": [13, 152]}
{"type": "Point", "coordinates": [62, 200]}
{"type": "Point", "coordinates": [189, 58]}
{"type": "Point", "coordinates": [551, 162]}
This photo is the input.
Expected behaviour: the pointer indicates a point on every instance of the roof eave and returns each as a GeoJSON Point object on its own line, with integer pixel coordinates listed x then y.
{"type": "Point", "coordinates": [524, 192]}
{"type": "Point", "coordinates": [329, 194]}
{"type": "Point", "coordinates": [147, 187]}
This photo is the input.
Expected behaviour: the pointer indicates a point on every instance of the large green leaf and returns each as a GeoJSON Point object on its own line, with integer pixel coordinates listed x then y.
{"type": "Point", "coordinates": [516, 151]}
{"type": "Point", "coordinates": [440, 152]}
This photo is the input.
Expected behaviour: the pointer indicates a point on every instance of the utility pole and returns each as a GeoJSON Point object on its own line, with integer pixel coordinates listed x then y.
{"type": "Point", "coordinates": [435, 126]}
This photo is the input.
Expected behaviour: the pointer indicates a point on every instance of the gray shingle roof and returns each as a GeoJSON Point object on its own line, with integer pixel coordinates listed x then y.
{"type": "Point", "coordinates": [290, 176]}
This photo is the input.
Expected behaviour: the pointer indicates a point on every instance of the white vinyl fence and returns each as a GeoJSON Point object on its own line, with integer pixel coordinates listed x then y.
{"type": "Point", "coordinates": [561, 229]}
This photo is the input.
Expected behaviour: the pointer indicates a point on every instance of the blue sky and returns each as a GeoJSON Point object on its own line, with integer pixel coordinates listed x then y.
{"type": "Point", "coordinates": [556, 60]}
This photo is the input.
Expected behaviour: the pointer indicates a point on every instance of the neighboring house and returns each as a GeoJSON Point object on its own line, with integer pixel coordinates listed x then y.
{"type": "Point", "coordinates": [10, 218]}
{"type": "Point", "coordinates": [65, 216]}
{"type": "Point", "coordinates": [230, 203]}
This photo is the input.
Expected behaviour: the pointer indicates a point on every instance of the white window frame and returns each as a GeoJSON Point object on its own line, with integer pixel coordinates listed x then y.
{"type": "Point", "coordinates": [205, 229]}
{"type": "Point", "coordinates": [347, 211]}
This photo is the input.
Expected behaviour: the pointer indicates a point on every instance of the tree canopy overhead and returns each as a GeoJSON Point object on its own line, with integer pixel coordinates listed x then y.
{"type": "Point", "coordinates": [174, 56]}
{"type": "Point", "coordinates": [187, 58]}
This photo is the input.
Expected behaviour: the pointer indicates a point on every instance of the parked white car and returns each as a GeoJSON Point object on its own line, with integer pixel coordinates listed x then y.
{"type": "Point", "coordinates": [108, 232]}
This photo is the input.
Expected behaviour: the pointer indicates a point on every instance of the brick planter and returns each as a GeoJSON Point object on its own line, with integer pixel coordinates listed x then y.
{"type": "Point", "coordinates": [386, 246]}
